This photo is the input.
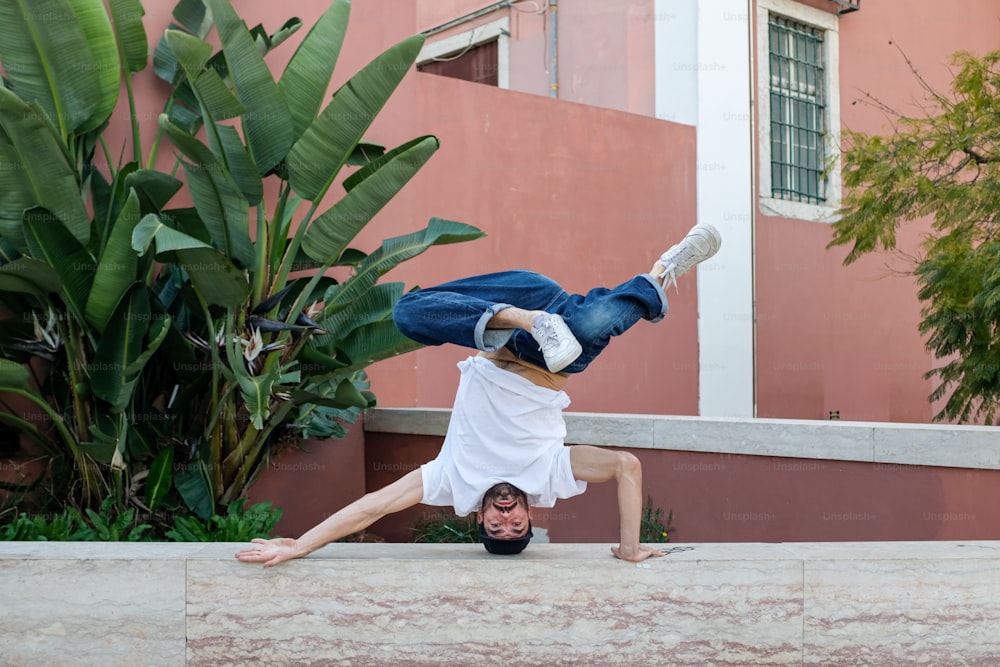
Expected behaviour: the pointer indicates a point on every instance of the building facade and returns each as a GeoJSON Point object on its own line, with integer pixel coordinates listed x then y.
{"type": "Point", "coordinates": [745, 100]}
{"type": "Point", "coordinates": [584, 137]}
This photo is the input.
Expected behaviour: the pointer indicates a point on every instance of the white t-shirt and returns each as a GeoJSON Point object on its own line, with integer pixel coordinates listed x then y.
{"type": "Point", "coordinates": [504, 428]}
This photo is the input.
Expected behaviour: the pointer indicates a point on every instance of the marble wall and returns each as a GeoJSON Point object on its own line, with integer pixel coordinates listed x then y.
{"type": "Point", "coordinates": [873, 603]}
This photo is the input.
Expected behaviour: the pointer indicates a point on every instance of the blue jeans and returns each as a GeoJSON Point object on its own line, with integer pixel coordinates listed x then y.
{"type": "Point", "coordinates": [457, 312]}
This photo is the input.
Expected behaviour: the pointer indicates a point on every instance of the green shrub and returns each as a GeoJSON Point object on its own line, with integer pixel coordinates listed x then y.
{"type": "Point", "coordinates": [106, 525]}
{"type": "Point", "coordinates": [654, 527]}
{"type": "Point", "coordinates": [447, 528]}
{"type": "Point", "coordinates": [238, 524]}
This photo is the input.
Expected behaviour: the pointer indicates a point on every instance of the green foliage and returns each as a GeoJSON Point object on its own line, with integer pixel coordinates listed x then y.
{"type": "Point", "coordinates": [238, 524]}
{"type": "Point", "coordinates": [106, 525]}
{"type": "Point", "coordinates": [654, 527]}
{"type": "Point", "coordinates": [447, 528]}
{"type": "Point", "coordinates": [166, 350]}
{"type": "Point", "coordinates": [945, 166]}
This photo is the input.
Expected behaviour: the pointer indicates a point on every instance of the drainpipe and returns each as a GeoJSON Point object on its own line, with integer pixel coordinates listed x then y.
{"type": "Point", "coordinates": [553, 51]}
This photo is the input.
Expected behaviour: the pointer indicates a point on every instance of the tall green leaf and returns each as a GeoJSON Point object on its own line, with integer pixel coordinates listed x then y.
{"type": "Point", "coordinates": [16, 193]}
{"type": "Point", "coordinates": [121, 344]}
{"type": "Point", "coordinates": [13, 375]}
{"type": "Point", "coordinates": [116, 267]}
{"type": "Point", "coordinates": [213, 275]}
{"type": "Point", "coordinates": [217, 101]}
{"type": "Point", "coordinates": [194, 484]}
{"type": "Point", "coordinates": [161, 477]}
{"type": "Point", "coordinates": [49, 240]}
{"type": "Point", "coordinates": [47, 60]}
{"type": "Point", "coordinates": [50, 177]}
{"type": "Point", "coordinates": [241, 165]}
{"type": "Point", "coordinates": [100, 38]}
{"type": "Point", "coordinates": [307, 75]}
{"type": "Point", "coordinates": [127, 15]}
{"type": "Point", "coordinates": [330, 233]}
{"type": "Point", "coordinates": [29, 276]}
{"type": "Point", "coordinates": [267, 123]}
{"type": "Point", "coordinates": [394, 251]}
{"type": "Point", "coordinates": [217, 198]}
{"type": "Point", "coordinates": [316, 158]}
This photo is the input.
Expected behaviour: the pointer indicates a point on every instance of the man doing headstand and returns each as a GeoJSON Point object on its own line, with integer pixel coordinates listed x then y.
{"type": "Point", "coordinates": [504, 451]}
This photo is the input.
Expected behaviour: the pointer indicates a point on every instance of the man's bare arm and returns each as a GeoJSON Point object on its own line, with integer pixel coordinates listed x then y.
{"type": "Point", "coordinates": [404, 492]}
{"type": "Point", "coordinates": [594, 464]}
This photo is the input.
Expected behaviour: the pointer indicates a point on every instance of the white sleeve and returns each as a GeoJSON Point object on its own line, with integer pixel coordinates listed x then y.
{"type": "Point", "coordinates": [563, 484]}
{"type": "Point", "coordinates": [436, 489]}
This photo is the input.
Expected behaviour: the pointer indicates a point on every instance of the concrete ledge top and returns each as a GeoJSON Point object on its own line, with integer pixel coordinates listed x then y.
{"type": "Point", "coordinates": [731, 605]}
{"type": "Point", "coordinates": [595, 552]}
{"type": "Point", "coordinates": [976, 447]}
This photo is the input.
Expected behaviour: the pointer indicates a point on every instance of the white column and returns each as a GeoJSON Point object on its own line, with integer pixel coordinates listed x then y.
{"type": "Point", "coordinates": [725, 199]}
{"type": "Point", "coordinates": [702, 51]}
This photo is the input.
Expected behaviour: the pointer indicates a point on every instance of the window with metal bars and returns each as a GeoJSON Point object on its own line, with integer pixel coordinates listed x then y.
{"type": "Point", "coordinates": [798, 144]}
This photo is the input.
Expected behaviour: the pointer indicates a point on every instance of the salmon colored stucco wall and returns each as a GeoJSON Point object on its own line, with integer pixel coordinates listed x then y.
{"type": "Point", "coordinates": [586, 195]}
{"type": "Point", "coordinates": [831, 337]}
{"type": "Point", "coordinates": [605, 50]}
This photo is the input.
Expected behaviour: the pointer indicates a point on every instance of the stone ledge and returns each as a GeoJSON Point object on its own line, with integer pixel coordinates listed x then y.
{"type": "Point", "coordinates": [976, 447]}
{"type": "Point", "coordinates": [556, 604]}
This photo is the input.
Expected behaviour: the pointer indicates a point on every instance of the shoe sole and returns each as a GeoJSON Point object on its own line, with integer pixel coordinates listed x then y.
{"type": "Point", "coordinates": [565, 360]}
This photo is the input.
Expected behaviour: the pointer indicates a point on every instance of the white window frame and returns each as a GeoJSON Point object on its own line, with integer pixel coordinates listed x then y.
{"type": "Point", "coordinates": [487, 32]}
{"type": "Point", "coordinates": [829, 24]}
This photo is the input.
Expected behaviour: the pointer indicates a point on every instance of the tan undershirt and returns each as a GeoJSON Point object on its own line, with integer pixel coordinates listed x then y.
{"type": "Point", "coordinates": [505, 359]}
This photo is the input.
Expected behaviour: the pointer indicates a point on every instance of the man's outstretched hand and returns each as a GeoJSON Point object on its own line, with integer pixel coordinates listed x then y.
{"type": "Point", "coordinates": [270, 552]}
{"type": "Point", "coordinates": [635, 554]}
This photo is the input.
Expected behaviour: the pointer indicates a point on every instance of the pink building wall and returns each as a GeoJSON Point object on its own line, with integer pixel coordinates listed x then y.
{"type": "Point", "coordinates": [831, 337]}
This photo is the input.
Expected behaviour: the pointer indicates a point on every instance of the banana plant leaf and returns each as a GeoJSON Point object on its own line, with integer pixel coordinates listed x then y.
{"type": "Point", "coordinates": [194, 484]}
{"type": "Point", "coordinates": [330, 233]}
{"type": "Point", "coordinates": [218, 199]}
{"type": "Point", "coordinates": [393, 252]}
{"type": "Point", "coordinates": [67, 88]}
{"type": "Point", "coordinates": [29, 276]}
{"type": "Point", "coordinates": [241, 165]}
{"type": "Point", "coordinates": [267, 123]}
{"type": "Point", "coordinates": [216, 100]}
{"type": "Point", "coordinates": [161, 477]}
{"type": "Point", "coordinates": [116, 267]}
{"type": "Point", "coordinates": [16, 194]}
{"type": "Point", "coordinates": [317, 157]}
{"type": "Point", "coordinates": [50, 178]}
{"type": "Point", "coordinates": [374, 342]}
{"type": "Point", "coordinates": [123, 349]}
{"type": "Point", "coordinates": [371, 306]}
{"type": "Point", "coordinates": [154, 188]}
{"type": "Point", "coordinates": [104, 60]}
{"type": "Point", "coordinates": [307, 75]}
{"type": "Point", "coordinates": [49, 240]}
{"type": "Point", "coordinates": [127, 16]}
{"type": "Point", "coordinates": [13, 375]}
{"type": "Point", "coordinates": [213, 275]}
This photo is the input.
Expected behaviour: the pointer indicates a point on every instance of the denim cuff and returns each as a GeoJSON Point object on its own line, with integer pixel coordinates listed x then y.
{"type": "Point", "coordinates": [661, 295]}
{"type": "Point", "coordinates": [491, 340]}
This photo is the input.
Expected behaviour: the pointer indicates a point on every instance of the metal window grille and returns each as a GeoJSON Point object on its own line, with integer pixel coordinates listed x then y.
{"type": "Point", "coordinates": [797, 76]}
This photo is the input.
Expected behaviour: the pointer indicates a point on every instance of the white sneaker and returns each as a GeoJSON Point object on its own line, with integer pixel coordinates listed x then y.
{"type": "Point", "coordinates": [558, 344]}
{"type": "Point", "coordinates": [701, 242]}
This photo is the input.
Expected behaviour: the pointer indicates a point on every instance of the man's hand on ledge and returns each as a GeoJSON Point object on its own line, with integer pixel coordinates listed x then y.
{"type": "Point", "coordinates": [639, 552]}
{"type": "Point", "coordinates": [270, 552]}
